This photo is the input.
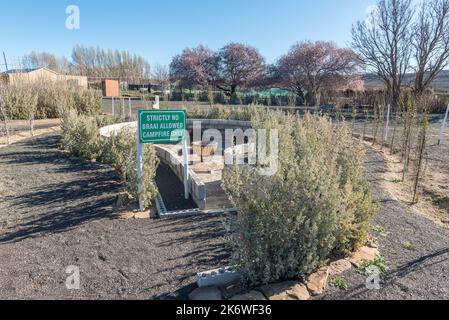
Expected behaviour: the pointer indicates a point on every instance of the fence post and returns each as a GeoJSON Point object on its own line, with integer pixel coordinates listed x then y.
{"type": "Point", "coordinates": [388, 124]}
{"type": "Point", "coordinates": [113, 111]}
{"type": "Point", "coordinates": [443, 127]}
{"type": "Point", "coordinates": [130, 109]}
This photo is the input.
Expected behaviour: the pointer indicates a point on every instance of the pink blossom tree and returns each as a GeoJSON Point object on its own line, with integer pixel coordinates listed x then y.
{"type": "Point", "coordinates": [309, 68]}
{"type": "Point", "coordinates": [195, 67]}
{"type": "Point", "coordinates": [240, 66]}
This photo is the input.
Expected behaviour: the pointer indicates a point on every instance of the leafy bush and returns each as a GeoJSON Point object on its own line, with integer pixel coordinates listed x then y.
{"type": "Point", "coordinates": [20, 101]}
{"type": "Point", "coordinates": [87, 102]}
{"type": "Point", "coordinates": [318, 204]}
{"type": "Point", "coordinates": [48, 99]}
{"type": "Point", "coordinates": [219, 111]}
{"type": "Point", "coordinates": [120, 151]}
{"type": "Point", "coordinates": [81, 138]}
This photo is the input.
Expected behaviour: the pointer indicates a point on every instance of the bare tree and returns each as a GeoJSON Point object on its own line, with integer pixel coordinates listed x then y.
{"type": "Point", "coordinates": [161, 76]}
{"type": "Point", "coordinates": [240, 66]}
{"type": "Point", "coordinates": [39, 60]}
{"type": "Point", "coordinates": [384, 43]}
{"type": "Point", "coordinates": [96, 62]}
{"type": "Point", "coordinates": [430, 43]}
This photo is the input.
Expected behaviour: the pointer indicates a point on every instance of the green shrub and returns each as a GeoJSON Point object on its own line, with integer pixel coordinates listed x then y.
{"type": "Point", "coordinates": [80, 136]}
{"type": "Point", "coordinates": [20, 101]}
{"type": "Point", "coordinates": [317, 205]}
{"type": "Point", "coordinates": [120, 151]}
{"type": "Point", "coordinates": [378, 262]}
{"type": "Point", "coordinates": [48, 99]}
{"type": "Point", "coordinates": [87, 102]}
{"type": "Point", "coordinates": [222, 112]}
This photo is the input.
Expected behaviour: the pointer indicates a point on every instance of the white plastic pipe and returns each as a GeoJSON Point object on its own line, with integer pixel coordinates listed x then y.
{"type": "Point", "coordinates": [443, 126]}
{"type": "Point", "coordinates": [388, 123]}
{"type": "Point", "coordinates": [156, 104]}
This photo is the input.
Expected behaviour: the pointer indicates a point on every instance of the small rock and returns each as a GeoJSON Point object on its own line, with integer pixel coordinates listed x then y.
{"type": "Point", "coordinates": [317, 282]}
{"type": "Point", "coordinates": [233, 290]}
{"type": "Point", "coordinates": [289, 290]}
{"type": "Point", "coordinates": [339, 267]}
{"type": "Point", "coordinates": [299, 292]}
{"type": "Point", "coordinates": [206, 294]}
{"type": "Point", "coordinates": [126, 215]}
{"type": "Point", "coordinates": [283, 296]}
{"type": "Point", "coordinates": [364, 254]}
{"type": "Point", "coordinates": [142, 215]}
{"type": "Point", "coordinates": [275, 289]}
{"type": "Point", "coordinates": [250, 296]}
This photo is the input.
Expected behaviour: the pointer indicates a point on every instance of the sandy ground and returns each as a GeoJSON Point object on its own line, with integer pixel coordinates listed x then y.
{"type": "Point", "coordinates": [20, 130]}
{"type": "Point", "coordinates": [421, 273]}
{"type": "Point", "coordinates": [57, 211]}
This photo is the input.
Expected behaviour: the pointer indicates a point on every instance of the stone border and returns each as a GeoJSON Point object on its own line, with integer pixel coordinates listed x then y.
{"type": "Point", "coordinates": [314, 286]}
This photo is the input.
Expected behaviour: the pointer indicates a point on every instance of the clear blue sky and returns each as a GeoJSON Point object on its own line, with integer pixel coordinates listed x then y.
{"type": "Point", "coordinates": [158, 29]}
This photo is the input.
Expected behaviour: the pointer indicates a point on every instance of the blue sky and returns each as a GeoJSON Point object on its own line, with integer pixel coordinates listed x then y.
{"type": "Point", "coordinates": [158, 29]}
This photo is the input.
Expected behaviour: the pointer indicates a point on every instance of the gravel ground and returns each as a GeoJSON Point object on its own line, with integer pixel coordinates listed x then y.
{"type": "Point", "coordinates": [57, 211]}
{"type": "Point", "coordinates": [413, 274]}
{"type": "Point", "coordinates": [172, 190]}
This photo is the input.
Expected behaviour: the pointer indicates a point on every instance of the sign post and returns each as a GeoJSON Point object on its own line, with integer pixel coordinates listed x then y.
{"type": "Point", "coordinates": [162, 126]}
{"type": "Point", "coordinates": [443, 126]}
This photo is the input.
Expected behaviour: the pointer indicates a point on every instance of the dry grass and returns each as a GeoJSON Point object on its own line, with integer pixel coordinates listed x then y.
{"type": "Point", "coordinates": [433, 189]}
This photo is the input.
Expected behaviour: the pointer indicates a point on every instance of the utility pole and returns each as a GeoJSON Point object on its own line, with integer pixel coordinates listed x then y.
{"type": "Point", "coordinates": [6, 63]}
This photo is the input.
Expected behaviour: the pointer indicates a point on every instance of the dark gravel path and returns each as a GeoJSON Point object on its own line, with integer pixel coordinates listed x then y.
{"type": "Point", "coordinates": [57, 211]}
{"type": "Point", "coordinates": [172, 190]}
{"type": "Point", "coordinates": [413, 274]}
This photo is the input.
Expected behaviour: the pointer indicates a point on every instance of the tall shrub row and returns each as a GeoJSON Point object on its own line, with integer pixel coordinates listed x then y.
{"type": "Point", "coordinates": [47, 100]}
{"type": "Point", "coordinates": [81, 138]}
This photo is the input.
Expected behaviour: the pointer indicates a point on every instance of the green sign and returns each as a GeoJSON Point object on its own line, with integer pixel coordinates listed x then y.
{"type": "Point", "coordinates": [162, 126]}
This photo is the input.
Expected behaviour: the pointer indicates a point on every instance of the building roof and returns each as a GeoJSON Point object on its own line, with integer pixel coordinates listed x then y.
{"type": "Point", "coordinates": [12, 71]}
{"type": "Point", "coordinates": [27, 70]}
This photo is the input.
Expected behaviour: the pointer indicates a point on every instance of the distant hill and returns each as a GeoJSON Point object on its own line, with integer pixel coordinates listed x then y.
{"type": "Point", "coordinates": [372, 81]}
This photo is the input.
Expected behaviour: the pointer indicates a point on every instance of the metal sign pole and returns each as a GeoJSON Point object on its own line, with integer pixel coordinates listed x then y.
{"type": "Point", "coordinates": [186, 169]}
{"type": "Point", "coordinates": [139, 173]}
{"type": "Point", "coordinates": [443, 126]}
